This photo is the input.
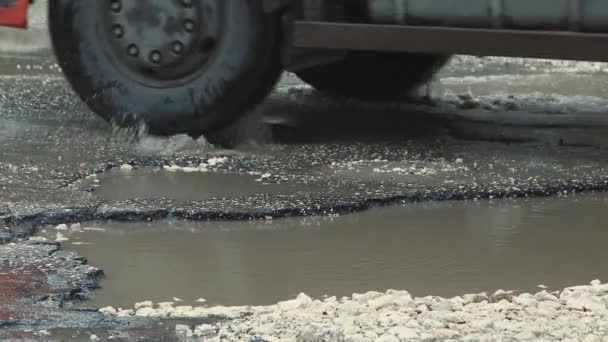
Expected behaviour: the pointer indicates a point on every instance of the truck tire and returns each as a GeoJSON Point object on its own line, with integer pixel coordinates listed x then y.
{"type": "Point", "coordinates": [373, 76]}
{"type": "Point", "coordinates": [182, 66]}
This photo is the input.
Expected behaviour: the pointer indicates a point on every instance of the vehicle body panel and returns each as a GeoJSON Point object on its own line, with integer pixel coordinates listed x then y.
{"type": "Point", "coordinates": [14, 13]}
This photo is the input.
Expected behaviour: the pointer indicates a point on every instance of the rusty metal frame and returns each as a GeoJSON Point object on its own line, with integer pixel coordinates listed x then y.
{"type": "Point", "coordinates": [449, 40]}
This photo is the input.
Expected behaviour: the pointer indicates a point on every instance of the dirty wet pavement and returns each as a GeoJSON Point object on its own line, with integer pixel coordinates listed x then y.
{"type": "Point", "coordinates": [458, 193]}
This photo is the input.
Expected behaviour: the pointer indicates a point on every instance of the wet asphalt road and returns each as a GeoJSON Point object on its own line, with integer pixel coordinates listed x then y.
{"type": "Point", "coordinates": [52, 149]}
{"type": "Point", "coordinates": [50, 142]}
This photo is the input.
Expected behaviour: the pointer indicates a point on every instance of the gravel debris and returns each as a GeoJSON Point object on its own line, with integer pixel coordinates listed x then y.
{"type": "Point", "coordinates": [578, 313]}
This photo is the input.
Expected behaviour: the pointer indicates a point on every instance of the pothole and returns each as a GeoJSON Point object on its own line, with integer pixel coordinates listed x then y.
{"type": "Point", "coordinates": [443, 249]}
{"type": "Point", "coordinates": [120, 185]}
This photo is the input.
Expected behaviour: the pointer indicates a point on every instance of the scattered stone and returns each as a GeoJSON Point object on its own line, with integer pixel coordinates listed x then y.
{"type": "Point", "coordinates": [501, 295]}
{"type": "Point", "coordinates": [204, 330]}
{"type": "Point", "coordinates": [387, 338]}
{"type": "Point", "coordinates": [144, 304]}
{"type": "Point", "coordinates": [94, 338]}
{"type": "Point", "coordinates": [125, 313]}
{"type": "Point", "coordinates": [126, 167]}
{"type": "Point", "coordinates": [525, 300]}
{"type": "Point", "coordinates": [217, 161]}
{"type": "Point", "coordinates": [108, 310]}
{"type": "Point", "coordinates": [474, 298]}
{"type": "Point", "coordinates": [60, 237]}
{"type": "Point", "coordinates": [545, 296]}
{"type": "Point", "coordinates": [591, 338]}
{"type": "Point", "coordinates": [525, 335]}
{"type": "Point", "coordinates": [585, 302]}
{"type": "Point", "coordinates": [75, 227]}
{"type": "Point", "coordinates": [183, 330]}
{"type": "Point", "coordinates": [201, 300]}
{"type": "Point", "coordinates": [176, 299]}
{"type": "Point", "coordinates": [62, 227]}
{"type": "Point", "coordinates": [375, 316]}
{"type": "Point", "coordinates": [403, 333]}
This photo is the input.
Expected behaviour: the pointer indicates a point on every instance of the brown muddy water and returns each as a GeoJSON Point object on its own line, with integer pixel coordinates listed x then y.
{"type": "Point", "coordinates": [119, 185]}
{"type": "Point", "coordinates": [444, 249]}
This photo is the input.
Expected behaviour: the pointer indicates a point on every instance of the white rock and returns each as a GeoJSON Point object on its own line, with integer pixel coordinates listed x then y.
{"type": "Point", "coordinates": [482, 324]}
{"type": "Point", "coordinates": [266, 329]}
{"type": "Point", "coordinates": [403, 333]}
{"type": "Point", "coordinates": [350, 329]}
{"type": "Point", "coordinates": [591, 338]}
{"type": "Point", "coordinates": [125, 313]}
{"type": "Point", "coordinates": [300, 302]}
{"type": "Point", "coordinates": [62, 227]}
{"type": "Point", "coordinates": [217, 160]}
{"type": "Point", "coordinates": [545, 296]}
{"type": "Point", "coordinates": [75, 227]}
{"type": "Point", "coordinates": [595, 282]}
{"type": "Point", "coordinates": [525, 335]}
{"type": "Point", "coordinates": [94, 338]}
{"type": "Point", "coordinates": [426, 337]}
{"type": "Point", "coordinates": [412, 323]}
{"type": "Point", "coordinates": [387, 338]}
{"type": "Point", "coordinates": [474, 298]}
{"type": "Point", "coordinates": [351, 338]}
{"type": "Point", "coordinates": [398, 293]}
{"type": "Point", "coordinates": [37, 238]}
{"type": "Point", "coordinates": [108, 310]}
{"type": "Point", "coordinates": [201, 300]}
{"type": "Point", "coordinates": [549, 305]}
{"type": "Point", "coordinates": [422, 308]}
{"type": "Point", "coordinates": [447, 333]}
{"type": "Point", "coordinates": [176, 299]}
{"type": "Point", "coordinates": [146, 312]}
{"type": "Point", "coordinates": [126, 167]}
{"type": "Point", "coordinates": [585, 302]}
{"type": "Point", "coordinates": [183, 330]}
{"type": "Point", "coordinates": [457, 317]}
{"type": "Point", "coordinates": [382, 302]}
{"type": "Point", "coordinates": [501, 295]}
{"type": "Point", "coordinates": [525, 300]}
{"type": "Point", "coordinates": [405, 302]}
{"type": "Point", "coordinates": [60, 237]}
{"type": "Point", "coordinates": [165, 305]}
{"type": "Point", "coordinates": [172, 168]}
{"type": "Point", "coordinates": [442, 306]}
{"type": "Point", "coordinates": [144, 304]}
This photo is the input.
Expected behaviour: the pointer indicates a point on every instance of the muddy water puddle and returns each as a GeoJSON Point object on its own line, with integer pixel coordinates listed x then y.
{"type": "Point", "coordinates": [442, 249]}
{"type": "Point", "coordinates": [182, 186]}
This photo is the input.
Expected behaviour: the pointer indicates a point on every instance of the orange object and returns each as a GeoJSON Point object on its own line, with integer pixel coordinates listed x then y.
{"type": "Point", "coordinates": [14, 13]}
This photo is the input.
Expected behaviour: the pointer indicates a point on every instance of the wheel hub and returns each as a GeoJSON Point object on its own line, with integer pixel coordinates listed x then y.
{"type": "Point", "coordinates": [162, 39]}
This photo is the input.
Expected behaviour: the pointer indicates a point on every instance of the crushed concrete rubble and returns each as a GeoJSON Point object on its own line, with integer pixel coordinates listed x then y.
{"type": "Point", "coordinates": [578, 313]}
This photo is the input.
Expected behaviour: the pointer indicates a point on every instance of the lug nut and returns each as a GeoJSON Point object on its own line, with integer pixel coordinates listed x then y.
{"type": "Point", "coordinates": [189, 25]}
{"type": "Point", "coordinates": [177, 47]}
{"type": "Point", "coordinates": [133, 50]}
{"type": "Point", "coordinates": [155, 56]}
{"type": "Point", "coordinates": [116, 6]}
{"type": "Point", "coordinates": [118, 31]}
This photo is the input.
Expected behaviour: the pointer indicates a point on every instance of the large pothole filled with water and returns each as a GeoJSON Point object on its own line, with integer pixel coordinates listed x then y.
{"type": "Point", "coordinates": [444, 249]}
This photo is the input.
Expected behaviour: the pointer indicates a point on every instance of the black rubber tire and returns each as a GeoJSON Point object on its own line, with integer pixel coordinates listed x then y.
{"type": "Point", "coordinates": [246, 66]}
{"type": "Point", "coordinates": [374, 76]}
